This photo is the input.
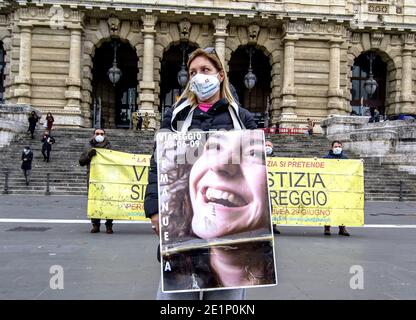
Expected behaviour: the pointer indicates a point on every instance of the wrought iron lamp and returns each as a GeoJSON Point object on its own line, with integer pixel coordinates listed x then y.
{"type": "Point", "coordinates": [250, 78]}
{"type": "Point", "coordinates": [114, 73]}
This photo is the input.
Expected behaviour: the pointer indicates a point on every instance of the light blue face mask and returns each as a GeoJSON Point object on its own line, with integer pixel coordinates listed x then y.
{"type": "Point", "coordinates": [205, 85]}
{"type": "Point", "coordinates": [337, 151]}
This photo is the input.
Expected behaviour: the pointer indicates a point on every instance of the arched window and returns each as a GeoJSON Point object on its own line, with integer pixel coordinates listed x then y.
{"type": "Point", "coordinates": [2, 66]}
{"type": "Point", "coordinates": [360, 73]}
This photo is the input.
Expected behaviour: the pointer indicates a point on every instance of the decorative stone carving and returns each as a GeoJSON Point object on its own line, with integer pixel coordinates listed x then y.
{"type": "Point", "coordinates": [184, 29]}
{"type": "Point", "coordinates": [378, 8]}
{"type": "Point", "coordinates": [253, 33]}
{"type": "Point", "coordinates": [356, 37]}
{"type": "Point", "coordinates": [114, 25]}
{"type": "Point", "coordinates": [220, 26]}
{"type": "Point", "coordinates": [376, 39]}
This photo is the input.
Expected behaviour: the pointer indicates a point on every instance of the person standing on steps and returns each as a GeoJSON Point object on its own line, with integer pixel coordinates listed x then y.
{"type": "Point", "coordinates": [146, 121]}
{"type": "Point", "coordinates": [27, 157]}
{"type": "Point", "coordinates": [99, 140]}
{"type": "Point", "coordinates": [311, 124]}
{"type": "Point", "coordinates": [49, 120]}
{"type": "Point", "coordinates": [33, 119]}
{"type": "Point", "coordinates": [47, 142]}
{"type": "Point", "coordinates": [336, 153]}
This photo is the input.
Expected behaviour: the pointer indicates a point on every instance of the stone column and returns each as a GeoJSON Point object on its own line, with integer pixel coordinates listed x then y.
{"type": "Point", "coordinates": [73, 82]}
{"type": "Point", "coordinates": [288, 115]}
{"type": "Point", "coordinates": [335, 94]}
{"type": "Point", "coordinates": [23, 80]}
{"type": "Point", "coordinates": [147, 85]}
{"type": "Point", "coordinates": [220, 36]}
{"type": "Point", "coordinates": [407, 97]}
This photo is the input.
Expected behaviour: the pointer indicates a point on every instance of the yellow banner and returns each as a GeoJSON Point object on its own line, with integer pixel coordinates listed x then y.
{"type": "Point", "coordinates": [305, 191]}
{"type": "Point", "coordinates": [117, 185]}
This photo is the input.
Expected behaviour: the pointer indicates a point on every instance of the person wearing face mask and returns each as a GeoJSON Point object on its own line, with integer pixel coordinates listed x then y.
{"type": "Point", "coordinates": [27, 157]}
{"type": "Point", "coordinates": [99, 140]}
{"type": "Point", "coordinates": [206, 104]}
{"type": "Point", "coordinates": [336, 153]}
{"type": "Point", "coordinates": [269, 153]}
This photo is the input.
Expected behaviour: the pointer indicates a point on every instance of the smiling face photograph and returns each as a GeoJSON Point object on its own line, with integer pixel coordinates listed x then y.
{"type": "Point", "coordinates": [215, 211]}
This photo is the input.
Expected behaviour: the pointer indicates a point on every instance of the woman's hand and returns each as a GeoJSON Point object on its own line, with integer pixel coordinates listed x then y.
{"type": "Point", "coordinates": [155, 223]}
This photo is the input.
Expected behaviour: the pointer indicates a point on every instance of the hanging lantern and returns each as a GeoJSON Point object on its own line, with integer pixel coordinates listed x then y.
{"type": "Point", "coordinates": [250, 78]}
{"type": "Point", "coordinates": [183, 74]}
{"type": "Point", "coordinates": [114, 73]}
{"type": "Point", "coordinates": [370, 85]}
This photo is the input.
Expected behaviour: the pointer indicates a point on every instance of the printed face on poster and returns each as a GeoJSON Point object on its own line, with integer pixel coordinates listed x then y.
{"type": "Point", "coordinates": [215, 218]}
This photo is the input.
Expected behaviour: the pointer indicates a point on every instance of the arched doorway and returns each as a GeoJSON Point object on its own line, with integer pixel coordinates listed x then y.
{"type": "Point", "coordinates": [113, 104]}
{"type": "Point", "coordinates": [256, 100]}
{"type": "Point", "coordinates": [361, 102]}
{"type": "Point", "coordinates": [2, 66]}
{"type": "Point", "coordinates": [170, 88]}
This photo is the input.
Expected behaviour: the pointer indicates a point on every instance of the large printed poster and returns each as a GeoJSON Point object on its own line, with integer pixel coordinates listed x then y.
{"type": "Point", "coordinates": [215, 217]}
{"type": "Point", "coordinates": [306, 191]}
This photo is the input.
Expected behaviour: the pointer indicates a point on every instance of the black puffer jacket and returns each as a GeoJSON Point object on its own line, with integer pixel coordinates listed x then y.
{"type": "Point", "coordinates": [27, 161]}
{"type": "Point", "coordinates": [217, 117]}
{"type": "Point", "coordinates": [332, 155]}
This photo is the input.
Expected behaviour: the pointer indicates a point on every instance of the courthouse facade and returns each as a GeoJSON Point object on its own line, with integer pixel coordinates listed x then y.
{"type": "Point", "coordinates": [97, 61]}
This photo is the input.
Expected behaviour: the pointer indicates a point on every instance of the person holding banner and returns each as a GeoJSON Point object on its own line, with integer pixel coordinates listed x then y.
{"type": "Point", "coordinates": [206, 104]}
{"type": "Point", "coordinates": [99, 140]}
{"type": "Point", "coordinates": [336, 153]}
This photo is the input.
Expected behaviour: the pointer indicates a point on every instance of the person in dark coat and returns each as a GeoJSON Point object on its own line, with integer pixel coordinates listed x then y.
{"type": "Point", "coordinates": [206, 104]}
{"type": "Point", "coordinates": [139, 121]}
{"type": "Point", "coordinates": [47, 142]}
{"type": "Point", "coordinates": [336, 153]}
{"type": "Point", "coordinates": [27, 157]}
{"type": "Point", "coordinates": [33, 119]}
{"type": "Point", "coordinates": [99, 140]}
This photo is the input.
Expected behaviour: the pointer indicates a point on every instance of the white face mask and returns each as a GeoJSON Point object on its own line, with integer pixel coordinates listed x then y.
{"type": "Point", "coordinates": [269, 150]}
{"type": "Point", "coordinates": [337, 151]}
{"type": "Point", "coordinates": [205, 85]}
{"type": "Point", "coordinates": [99, 139]}
{"type": "Point", "coordinates": [26, 151]}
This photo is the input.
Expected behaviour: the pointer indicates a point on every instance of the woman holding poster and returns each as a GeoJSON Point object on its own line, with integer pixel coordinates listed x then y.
{"type": "Point", "coordinates": [206, 104]}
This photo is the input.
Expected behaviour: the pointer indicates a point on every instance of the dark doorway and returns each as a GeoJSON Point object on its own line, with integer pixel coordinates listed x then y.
{"type": "Point", "coordinates": [2, 66]}
{"type": "Point", "coordinates": [258, 98]}
{"type": "Point", "coordinates": [361, 102]}
{"type": "Point", "coordinates": [115, 104]}
{"type": "Point", "coordinates": [171, 64]}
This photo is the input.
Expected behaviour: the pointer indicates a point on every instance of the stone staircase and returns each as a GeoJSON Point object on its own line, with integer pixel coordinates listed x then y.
{"type": "Point", "coordinates": [382, 181]}
{"type": "Point", "coordinates": [66, 176]}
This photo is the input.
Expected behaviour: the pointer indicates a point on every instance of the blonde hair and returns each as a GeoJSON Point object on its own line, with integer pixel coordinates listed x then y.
{"type": "Point", "coordinates": [225, 91]}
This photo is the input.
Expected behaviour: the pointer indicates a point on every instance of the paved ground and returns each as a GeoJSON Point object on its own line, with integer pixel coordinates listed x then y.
{"type": "Point", "coordinates": [124, 266]}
